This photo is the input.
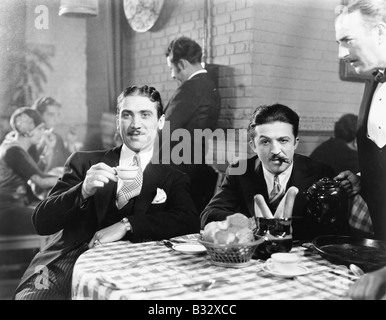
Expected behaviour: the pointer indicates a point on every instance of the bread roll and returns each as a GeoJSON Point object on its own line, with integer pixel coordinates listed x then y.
{"type": "Point", "coordinates": [210, 229]}
{"type": "Point", "coordinates": [237, 228]}
{"type": "Point", "coordinates": [224, 237]}
{"type": "Point", "coordinates": [289, 201]}
{"type": "Point", "coordinates": [238, 219]}
{"type": "Point", "coordinates": [265, 211]}
{"type": "Point", "coordinates": [244, 235]}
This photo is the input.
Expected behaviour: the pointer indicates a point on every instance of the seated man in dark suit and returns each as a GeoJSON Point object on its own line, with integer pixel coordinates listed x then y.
{"type": "Point", "coordinates": [340, 152]}
{"type": "Point", "coordinates": [273, 134]}
{"type": "Point", "coordinates": [90, 205]}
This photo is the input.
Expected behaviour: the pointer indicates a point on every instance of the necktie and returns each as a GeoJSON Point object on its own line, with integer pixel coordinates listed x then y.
{"type": "Point", "coordinates": [130, 188]}
{"type": "Point", "coordinates": [276, 191]}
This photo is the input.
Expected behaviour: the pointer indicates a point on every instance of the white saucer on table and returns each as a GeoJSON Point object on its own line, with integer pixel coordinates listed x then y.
{"type": "Point", "coordinates": [298, 271]}
{"type": "Point", "coordinates": [190, 248]}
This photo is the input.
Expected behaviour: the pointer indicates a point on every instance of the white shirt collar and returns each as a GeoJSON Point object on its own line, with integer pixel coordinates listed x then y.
{"type": "Point", "coordinates": [197, 72]}
{"type": "Point", "coordinates": [283, 178]}
{"type": "Point", "coordinates": [376, 124]}
{"type": "Point", "coordinates": [127, 156]}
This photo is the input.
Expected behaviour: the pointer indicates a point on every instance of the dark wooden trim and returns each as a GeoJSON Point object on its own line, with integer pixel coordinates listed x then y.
{"type": "Point", "coordinates": [316, 133]}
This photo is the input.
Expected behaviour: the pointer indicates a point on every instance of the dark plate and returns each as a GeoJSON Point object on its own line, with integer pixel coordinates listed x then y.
{"type": "Point", "coordinates": [368, 254]}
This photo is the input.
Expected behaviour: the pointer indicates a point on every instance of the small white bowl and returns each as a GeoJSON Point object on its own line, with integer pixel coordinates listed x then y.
{"type": "Point", "coordinates": [127, 172]}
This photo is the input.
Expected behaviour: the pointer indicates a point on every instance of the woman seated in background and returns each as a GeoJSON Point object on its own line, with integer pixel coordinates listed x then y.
{"type": "Point", "coordinates": [340, 152]}
{"type": "Point", "coordinates": [18, 170]}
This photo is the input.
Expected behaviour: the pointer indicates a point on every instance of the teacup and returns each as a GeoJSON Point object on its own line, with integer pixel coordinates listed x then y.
{"type": "Point", "coordinates": [127, 172]}
{"type": "Point", "coordinates": [283, 262]}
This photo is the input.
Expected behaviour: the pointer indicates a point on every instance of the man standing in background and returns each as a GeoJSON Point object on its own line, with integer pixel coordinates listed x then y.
{"type": "Point", "coordinates": [361, 34]}
{"type": "Point", "coordinates": [194, 105]}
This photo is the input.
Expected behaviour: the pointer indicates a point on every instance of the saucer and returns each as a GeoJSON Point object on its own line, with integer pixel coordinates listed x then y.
{"type": "Point", "coordinates": [190, 248]}
{"type": "Point", "coordinates": [299, 271]}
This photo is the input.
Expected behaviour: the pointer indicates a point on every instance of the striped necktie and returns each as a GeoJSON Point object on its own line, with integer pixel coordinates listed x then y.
{"type": "Point", "coordinates": [276, 191]}
{"type": "Point", "coordinates": [131, 188]}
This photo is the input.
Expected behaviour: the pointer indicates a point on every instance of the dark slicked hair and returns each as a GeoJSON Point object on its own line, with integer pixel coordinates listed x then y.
{"type": "Point", "coordinates": [42, 103]}
{"type": "Point", "coordinates": [25, 127]}
{"type": "Point", "coordinates": [346, 127]}
{"type": "Point", "coordinates": [143, 91]}
{"type": "Point", "coordinates": [271, 113]}
{"type": "Point", "coordinates": [184, 48]}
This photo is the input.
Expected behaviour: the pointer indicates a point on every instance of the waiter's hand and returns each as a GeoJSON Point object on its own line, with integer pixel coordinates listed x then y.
{"type": "Point", "coordinates": [112, 233]}
{"type": "Point", "coordinates": [97, 177]}
{"type": "Point", "coordinates": [371, 286]}
{"type": "Point", "coordinates": [350, 182]}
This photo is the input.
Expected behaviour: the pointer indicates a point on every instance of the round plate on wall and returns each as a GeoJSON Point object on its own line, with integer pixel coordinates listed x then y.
{"type": "Point", "coordinates": [142, 14]}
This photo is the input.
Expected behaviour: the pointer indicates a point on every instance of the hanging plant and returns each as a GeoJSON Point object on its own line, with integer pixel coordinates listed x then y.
{"type": "Point", "coordinates": [31, 74]}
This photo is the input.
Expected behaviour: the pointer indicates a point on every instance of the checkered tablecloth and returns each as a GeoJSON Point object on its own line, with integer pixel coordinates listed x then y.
{"type": "Point", "coordinates": [120, 270]}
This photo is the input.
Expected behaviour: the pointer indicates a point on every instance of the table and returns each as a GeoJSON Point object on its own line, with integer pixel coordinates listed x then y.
{"type": "Point", "coordinates": [120, 270]}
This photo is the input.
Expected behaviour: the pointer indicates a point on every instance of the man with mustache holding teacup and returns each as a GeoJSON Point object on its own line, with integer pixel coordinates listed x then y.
{"type": "Point", "coordinates": [273, 134]}
{"type": "Point", "coordinates": [90, 205]}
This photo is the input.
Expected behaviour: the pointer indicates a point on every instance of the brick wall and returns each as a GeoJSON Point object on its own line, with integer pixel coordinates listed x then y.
{"type": "Point", "coordinates": [268, 51]}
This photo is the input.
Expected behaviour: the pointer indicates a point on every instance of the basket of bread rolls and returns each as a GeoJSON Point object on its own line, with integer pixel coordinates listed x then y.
{"type": "Point", "coordinates": [230, 243]}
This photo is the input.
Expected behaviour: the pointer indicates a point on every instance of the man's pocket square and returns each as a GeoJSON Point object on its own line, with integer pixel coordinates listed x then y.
{"type": "Point", "coordinates": [160, 197]}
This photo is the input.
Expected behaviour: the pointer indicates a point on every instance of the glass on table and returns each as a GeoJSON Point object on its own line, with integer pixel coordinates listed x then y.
{"type": "Point", "coordinates": [277, 233]}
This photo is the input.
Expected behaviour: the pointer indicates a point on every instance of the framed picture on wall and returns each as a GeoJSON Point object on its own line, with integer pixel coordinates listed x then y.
{"type": "Point", "coordinates": [348, 73]}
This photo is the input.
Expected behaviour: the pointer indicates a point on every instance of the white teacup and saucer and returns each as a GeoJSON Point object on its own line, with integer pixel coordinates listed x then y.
{"type": "Point", "coordinates": [127, 172]}
{"type": "Point", "coordinates": [284, 264]}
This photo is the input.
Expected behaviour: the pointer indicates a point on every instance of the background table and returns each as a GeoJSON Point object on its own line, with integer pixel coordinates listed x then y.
{"type": "Point", "coordinates": [120, 270]}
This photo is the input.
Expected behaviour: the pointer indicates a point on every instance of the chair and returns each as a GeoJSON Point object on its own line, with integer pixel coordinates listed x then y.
{"type": "Point", "coordinates": [30, 241]}
{"type": "Point", "coordinates": [14, 260]}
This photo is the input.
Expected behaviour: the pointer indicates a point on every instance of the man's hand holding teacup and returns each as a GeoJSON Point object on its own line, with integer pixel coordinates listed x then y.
{"type": "Point", "coordinates": [97, 177]}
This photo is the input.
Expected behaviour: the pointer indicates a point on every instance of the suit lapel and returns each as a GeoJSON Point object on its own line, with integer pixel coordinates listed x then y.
{"type": "Point", "coordinates": [104, 195]}
{"type": "Point", "coordinates": [365, 105]}
{"type": "Point", "coordinates": [254, 183]}
{"type": "Point", "coordinates": [302, 178]}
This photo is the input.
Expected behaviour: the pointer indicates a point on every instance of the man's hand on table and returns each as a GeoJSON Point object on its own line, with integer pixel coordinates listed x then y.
{"type": "Point", "coordinates": [112, 233]}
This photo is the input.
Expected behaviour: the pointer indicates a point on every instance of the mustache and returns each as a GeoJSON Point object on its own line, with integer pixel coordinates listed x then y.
{"type": "Point", "coordinates": [281, 158]}
{"type": "Point", "coordinates": [134, 132]}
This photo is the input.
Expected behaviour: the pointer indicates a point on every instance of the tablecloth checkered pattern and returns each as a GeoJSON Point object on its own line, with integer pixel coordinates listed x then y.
{"type": "Point", "coordinates": [119, 271]}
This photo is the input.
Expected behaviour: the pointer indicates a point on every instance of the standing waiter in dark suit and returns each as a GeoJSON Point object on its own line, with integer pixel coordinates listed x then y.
{"type": "Point", "coordinates": [194, 105]}
{"type": "Point", "coordinates": [361, 34]}
{"type": "Point", "coordinates": [90, 205]}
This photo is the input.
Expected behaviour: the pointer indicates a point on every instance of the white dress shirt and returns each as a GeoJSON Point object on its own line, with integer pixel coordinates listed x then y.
{"type": "Point", "coordinates": [127, 156]}
{"type": "Point", "coordinates": [198, 72]}
{"type": "Point", "coordinates": [283, 178]}
{"type": "Point", "coordinates": [376, 124]}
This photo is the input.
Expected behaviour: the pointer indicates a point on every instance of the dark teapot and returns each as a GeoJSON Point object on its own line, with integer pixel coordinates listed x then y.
{"type": "Point", "coordinates": [327, 203]}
